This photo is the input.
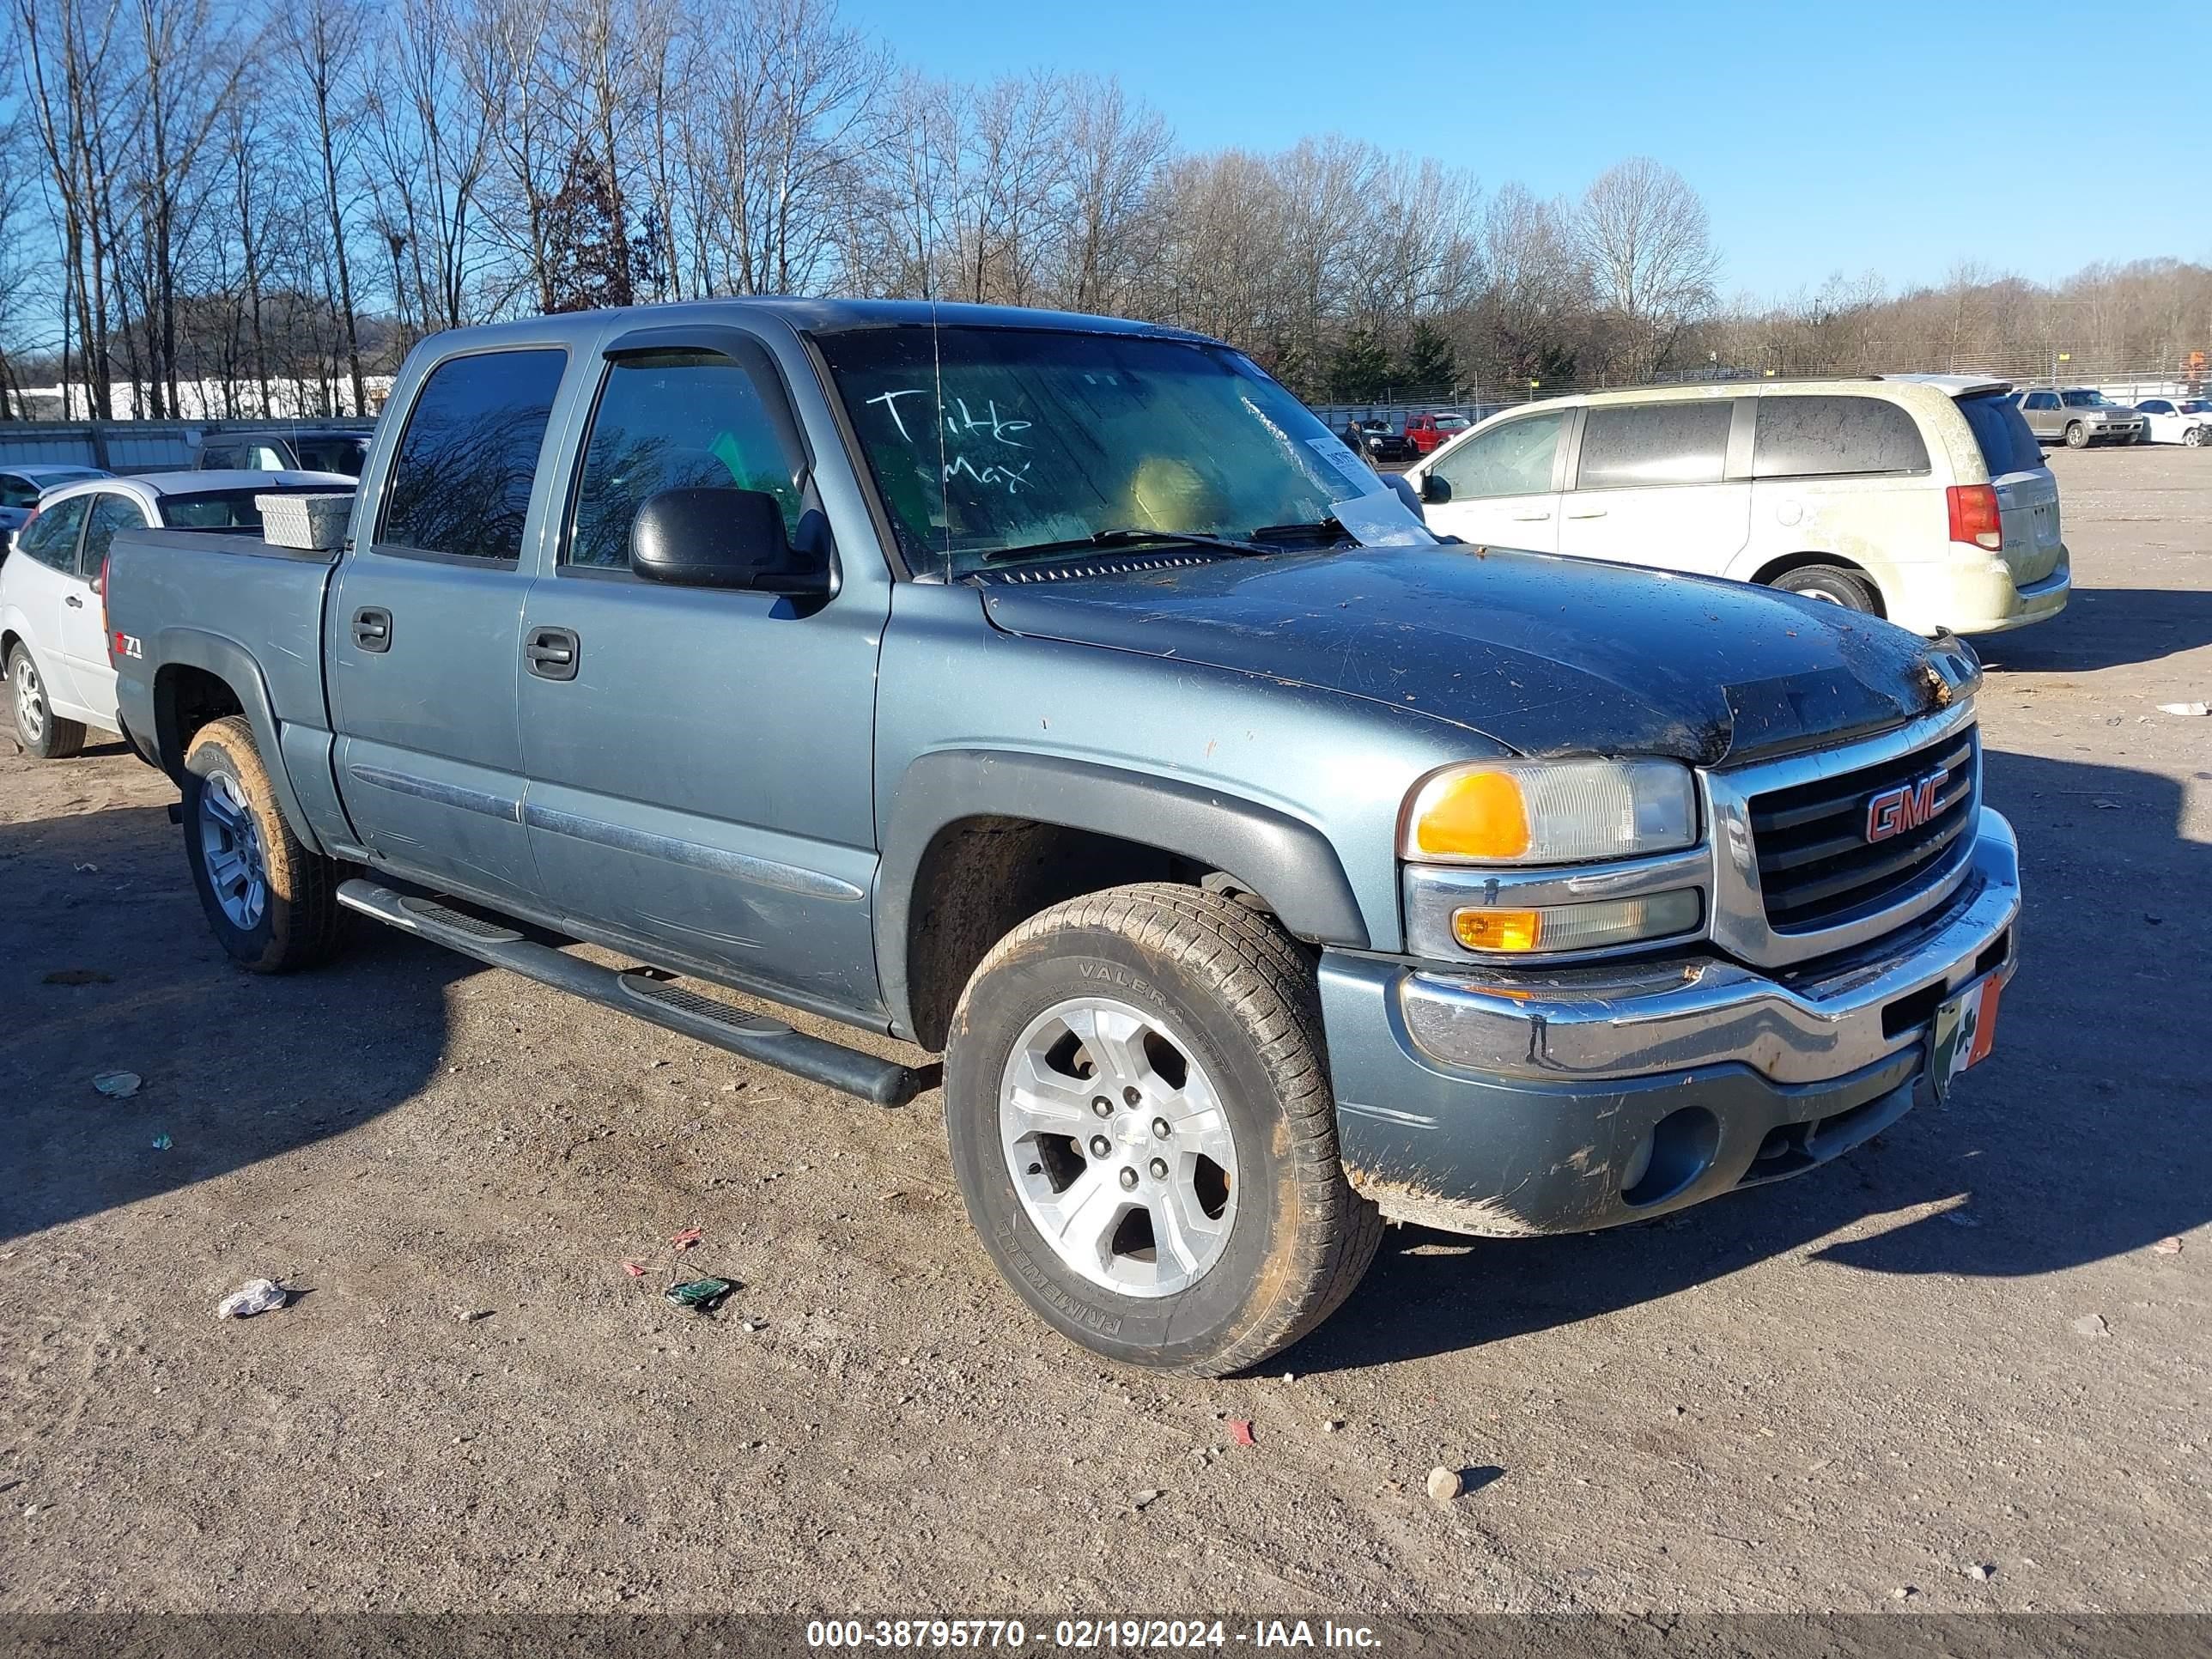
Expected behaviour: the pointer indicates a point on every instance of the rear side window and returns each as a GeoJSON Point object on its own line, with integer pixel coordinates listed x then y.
{"type": "Point", "coordinates": [2007, 443]}
{"type": "Point", "coordinates": [672, 421]}
{"type": "Point", "coordinates": [467, 460]}
{"type": "Point", "coordinates": [1801, 437]}
{"type": "Point", "coordinates": [1627, 446]}
{"type": "Point", "coordinates": [333, 455]}
{"type": "Point", "coordinates": [111, 513]}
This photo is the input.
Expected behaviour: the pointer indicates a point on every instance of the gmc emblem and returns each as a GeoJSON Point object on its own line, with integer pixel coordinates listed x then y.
{"type": "Point", "coordinates": [1908, 806]}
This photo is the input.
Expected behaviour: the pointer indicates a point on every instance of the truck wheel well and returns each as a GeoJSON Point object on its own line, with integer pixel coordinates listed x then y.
{"type": "Point", "coordinates": [1769, 572]}
{"type": "Point", "coordinates": [982, 877]}
{"type": "Point", "coordinates": [184, 700]}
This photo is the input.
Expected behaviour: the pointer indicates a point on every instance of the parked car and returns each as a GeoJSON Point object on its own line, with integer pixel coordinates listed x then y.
{"type": "Point", "coordinates": [1380, 441]}
{"type": "Point", "coordinates": [2079, 417]}
{"type": "Point", "coordinates": [2177, 420]}
{"type": "Point", "coordinates": [1227, 833]}
{"type": "Point", "coordinates": [342, 450]}
{"type": "Point", "coordinates": [21, 488]}
{"type": "Point", "coordinates": [1920, 498]}
{"type": "Point", "coordinates": [53, 641]}
{"type": "Point", "coordinates": [1428, 432]}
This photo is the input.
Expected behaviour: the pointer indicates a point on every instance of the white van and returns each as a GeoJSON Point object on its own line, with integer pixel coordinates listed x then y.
{"type": "Point", "coordinates": [1921, 498]}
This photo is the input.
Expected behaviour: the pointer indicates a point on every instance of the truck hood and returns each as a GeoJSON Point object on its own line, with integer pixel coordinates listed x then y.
{"type": "Point", "coordinates": [1544, 655]}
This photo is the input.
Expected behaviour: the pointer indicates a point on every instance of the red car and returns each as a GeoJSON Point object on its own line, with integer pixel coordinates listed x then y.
{"type": "Point", "coordinates": [1428, 431]}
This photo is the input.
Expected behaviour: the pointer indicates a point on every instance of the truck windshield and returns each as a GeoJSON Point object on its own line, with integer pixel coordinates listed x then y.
{"type": "Point", "coordinates": [993, 445]}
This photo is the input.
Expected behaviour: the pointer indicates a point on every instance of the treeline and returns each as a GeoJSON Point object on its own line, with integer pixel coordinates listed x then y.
{"type": "Point", "coordinates": [248, 192]}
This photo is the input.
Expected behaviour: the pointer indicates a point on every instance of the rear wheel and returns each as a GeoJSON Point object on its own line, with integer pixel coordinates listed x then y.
{"type": "Point", "coordinates": [1141, 1122]}
{"type": "Point", "coordinates": [45, 735]}
{"type": "Point", "coordinates": [1830, 582]}
{"type": "Point", "coordinates": [271, 901]}
{"type": "Point", "coordinates": [2077, 435]}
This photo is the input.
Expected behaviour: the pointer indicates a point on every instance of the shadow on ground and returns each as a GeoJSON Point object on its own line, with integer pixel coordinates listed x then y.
{"type": "Point", "coordinates": [2088, 1133]}
{"type": "Point", "coordinates": [107, 964]}
{"type": "Point", "coordinates": [2104, 627]}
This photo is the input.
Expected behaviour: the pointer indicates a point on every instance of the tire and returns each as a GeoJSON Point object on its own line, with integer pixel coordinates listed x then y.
{"type": "Point", "coordinates": [43, 734]}
{"type": "Point", "coordinates": [1203, 1011]}
{"type": "Point", "coordinates": [2077, 435]}
{"type": "Point", "coordinates": [2194, 437]}
{"type": "Point", "coordinates": [1830, 582]}
{"type": "Point", "coordinates": [271, 902]}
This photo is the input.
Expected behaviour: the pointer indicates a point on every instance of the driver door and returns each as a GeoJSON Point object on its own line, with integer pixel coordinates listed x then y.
{"type": "Point", "coordinates": [1500, 487]}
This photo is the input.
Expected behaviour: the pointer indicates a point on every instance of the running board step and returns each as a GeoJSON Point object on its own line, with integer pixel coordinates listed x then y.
{"type": "Point", "coordinates": [644, 992]}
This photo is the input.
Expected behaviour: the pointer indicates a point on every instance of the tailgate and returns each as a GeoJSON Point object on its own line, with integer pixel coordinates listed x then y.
{"type": "Point", "coordinates": [2027, 508]}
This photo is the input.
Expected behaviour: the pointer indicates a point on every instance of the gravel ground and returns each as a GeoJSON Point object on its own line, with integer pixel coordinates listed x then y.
{"type": "Point", "coordinates": [1963, 1368]}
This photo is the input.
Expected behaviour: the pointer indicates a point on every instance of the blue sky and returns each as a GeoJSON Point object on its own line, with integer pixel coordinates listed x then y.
{"type": "Point", "coordinates": [1898, 137]}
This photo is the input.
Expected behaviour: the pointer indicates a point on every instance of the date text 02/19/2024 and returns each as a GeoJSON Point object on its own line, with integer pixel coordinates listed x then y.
{"type": "Point", "coordinates": [1089, 1634]}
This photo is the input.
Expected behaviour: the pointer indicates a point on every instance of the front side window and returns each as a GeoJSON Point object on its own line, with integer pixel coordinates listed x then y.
{"type": "Point", "coordinates": [1512, 458]}
{"type": "Point", "coordinates": [51, 538]}
{"type": "Point", "coordinates": [995, 444]}
{"type": "Point", "coordinates": [468, 458]}
{"type": "Point", "coordinates": [671, 421]}
{"type": "Point", "coordinates": [1799, 437]}
{"type": "Point", "coordinates": [1627, 446]}
{"type": "Point", "coordinates": [2157, 406]}
{"type": "Point", "coordinates": [110, 514]}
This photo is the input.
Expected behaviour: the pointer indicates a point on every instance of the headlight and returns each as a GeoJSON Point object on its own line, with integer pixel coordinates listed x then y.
{"type": "Point", "coordinates": [1550, 812]}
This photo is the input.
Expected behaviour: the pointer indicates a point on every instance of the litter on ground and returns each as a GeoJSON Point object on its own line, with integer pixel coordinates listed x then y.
{"type": "Point", "coordinates": [256, 1295]}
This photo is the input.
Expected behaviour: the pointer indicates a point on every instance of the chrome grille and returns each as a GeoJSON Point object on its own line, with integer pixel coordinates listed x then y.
{"type": "Point", "coordinates": [1817, 869]}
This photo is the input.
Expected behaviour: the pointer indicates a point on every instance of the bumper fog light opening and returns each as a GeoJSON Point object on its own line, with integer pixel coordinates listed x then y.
{"type": "Point", "coordinates": [1677, 1151]}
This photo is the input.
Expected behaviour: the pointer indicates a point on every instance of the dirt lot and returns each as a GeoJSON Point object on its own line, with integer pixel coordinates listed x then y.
{"type": "Point", "coordinates": [1972, 1345]}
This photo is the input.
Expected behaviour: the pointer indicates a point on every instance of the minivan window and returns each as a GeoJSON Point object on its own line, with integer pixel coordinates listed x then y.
{"type": "Point", "coordinates": [2007, 441]}
{"type": "Point", "coordinates": [1514, 458]}
{"type": "Point", "coordinates": [672, 421]}
{"type": "Point", "coordinates": [461, 483]}
{"type": "Point", "coordinates": [1626, 446]}
{"type": "Point", "coordinates": [1803, 437]}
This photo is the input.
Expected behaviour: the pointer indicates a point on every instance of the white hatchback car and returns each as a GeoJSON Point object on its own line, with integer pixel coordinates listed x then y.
{"type": "Point", "coordinates": [54, 628]}
{"type": "Point", "coordinates": [1921, 498]}
{"type": "Point", "coordinates": [2177, 421]}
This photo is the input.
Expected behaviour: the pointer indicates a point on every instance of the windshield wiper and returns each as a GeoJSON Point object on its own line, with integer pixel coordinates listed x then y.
{"type": "Point", "coordinates": [1330, 530]}
{"type": "Point", "coordinates": [1122, 538]}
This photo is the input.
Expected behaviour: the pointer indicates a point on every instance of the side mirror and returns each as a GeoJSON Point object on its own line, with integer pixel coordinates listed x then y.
{"type": "Point", "coordinates": [1434, 490]}
{"type": "Point", "coordinates": [703, 537]}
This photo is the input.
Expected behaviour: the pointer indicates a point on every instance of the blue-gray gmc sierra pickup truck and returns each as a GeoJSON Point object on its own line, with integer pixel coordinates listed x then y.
{"type": "Point", "coordinates": [1058, 695]}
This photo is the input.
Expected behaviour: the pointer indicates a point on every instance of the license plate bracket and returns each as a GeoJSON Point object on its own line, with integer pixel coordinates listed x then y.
{"type": "Point", "coordinates": [1966, 1031]}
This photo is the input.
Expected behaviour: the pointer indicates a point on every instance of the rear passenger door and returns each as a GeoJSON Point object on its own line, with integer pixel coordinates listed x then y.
{"type": "Point", "coordinates": [423, 636]}
{"type": "Point", "coordinates": [84, 630]}
{"type": "Point", "coordinates": [1500, 487]}
{"type": "Point", "coordinates": [700, 761]}
{"type": "Point", "coordinates": [1661, 484]}
{"type": "Point", "coordinates": [2046, 416]}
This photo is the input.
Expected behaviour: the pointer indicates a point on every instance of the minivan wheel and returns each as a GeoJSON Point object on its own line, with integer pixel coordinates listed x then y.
{"type": "Point", "coordinates": [1830, 582]}
{"type": "Point", "coordinates": [2077, 435]}
{"type": "Point", "coordinates": [43, 734]}
{"type": "Point", "coordinates": [271, 901]}
{"type": "Point", "coordinates": [1138, 1101]}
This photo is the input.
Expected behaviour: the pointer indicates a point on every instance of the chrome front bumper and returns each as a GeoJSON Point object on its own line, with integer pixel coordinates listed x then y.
{"type": "Point", "coordinates": [1790, 1027]}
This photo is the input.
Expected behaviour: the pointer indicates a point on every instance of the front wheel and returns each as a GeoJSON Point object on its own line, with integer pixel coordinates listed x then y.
{"type": "Point", "coordinates": [270, 899]}
{"type": "Point", "coordinates": [2194, 437]}
{"type": "Point", "coordinates": [2077, 435]}
{"type": "Point", "coordinates": [45, 735]}
{"type": "Point", "coordinates": [1138, 1101]}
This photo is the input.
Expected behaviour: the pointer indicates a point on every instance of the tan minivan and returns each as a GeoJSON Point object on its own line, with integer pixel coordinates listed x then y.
{"type": "Point", "coordinates": [1921, 498]}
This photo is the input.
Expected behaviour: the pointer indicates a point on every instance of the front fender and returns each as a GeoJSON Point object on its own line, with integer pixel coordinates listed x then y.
{"type": "Point", "coordinates": [231, 663]}
{"type": "Point", "coordinates": [1289, 863]}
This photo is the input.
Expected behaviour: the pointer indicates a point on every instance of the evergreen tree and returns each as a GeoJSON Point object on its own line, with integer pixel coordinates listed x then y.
{"type": "Point", "coordinates": [1431, 367]}
{"type": "Point", "coordinates": [1359, 367]}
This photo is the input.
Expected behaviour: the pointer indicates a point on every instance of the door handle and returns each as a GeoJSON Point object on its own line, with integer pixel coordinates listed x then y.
{"type": "Point", "coordinates": [553, 653]}
{"type": "Point", "coordinates": [1589, 512]}
{"type": "Point", "coordinates": [372, 628]}
{"type": "Point", "coordinates": [1531, 517]}
{"type": "Point", "coordinates": [73, 602]}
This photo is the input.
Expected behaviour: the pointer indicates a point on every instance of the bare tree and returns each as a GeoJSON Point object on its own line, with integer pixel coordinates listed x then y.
{"type": "Point", "coordinates": [1646, 238]}
{"type": "Point", "coordinates": [325, 39]}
